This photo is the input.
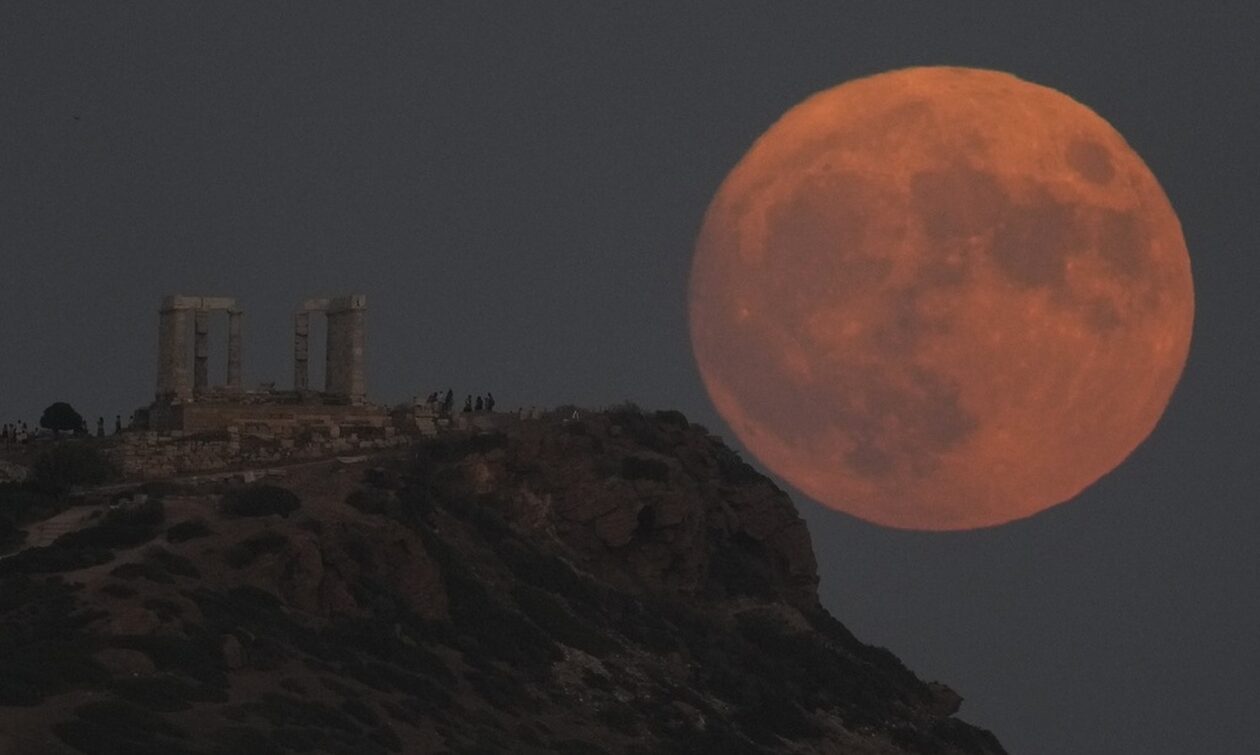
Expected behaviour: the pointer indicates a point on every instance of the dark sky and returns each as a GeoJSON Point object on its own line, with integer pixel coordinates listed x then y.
{"type": "Point", "coordinates": [517, 186]}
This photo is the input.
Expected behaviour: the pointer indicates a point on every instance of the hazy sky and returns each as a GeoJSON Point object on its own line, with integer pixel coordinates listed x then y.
{"type": "Point", "coordinates": [516, 187]}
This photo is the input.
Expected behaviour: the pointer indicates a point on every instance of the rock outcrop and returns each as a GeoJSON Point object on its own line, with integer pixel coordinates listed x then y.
{"type": "Point", "coordinates": [618, 583]}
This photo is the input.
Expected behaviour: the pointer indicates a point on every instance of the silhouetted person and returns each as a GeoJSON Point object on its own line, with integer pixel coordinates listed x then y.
{"type": "Point", "coordinates": [449, 403]}
{"type": "Point", "coordinates": [467, 404]}
{"type": "Point", "coordinates": [489, 401]}
{"type": "Point", "coordinates": [100, 427]}
{"type": "Point", "coordinates": [118, 425]}
{"type": "Point", "coordinates": [480, 404]}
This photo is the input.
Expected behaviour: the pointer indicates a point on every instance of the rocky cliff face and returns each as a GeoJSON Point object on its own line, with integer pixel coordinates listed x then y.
{"type": "Point", "coordinates": [619, 583]}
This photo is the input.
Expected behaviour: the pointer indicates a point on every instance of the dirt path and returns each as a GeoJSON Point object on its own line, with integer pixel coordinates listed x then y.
{"type": "Point", "coordinates": [40, 534]}
{"type": "Point", "coordinates": [43, 533]}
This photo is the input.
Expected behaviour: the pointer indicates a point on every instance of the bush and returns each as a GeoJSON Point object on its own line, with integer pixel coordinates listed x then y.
{"type": "Point", "coordinates": [261, 500]}
{"type": "Point", "coordinates": [641, 429]}
{"type": "Point", "coordinates": [123, 527]}
{"type": "Point", "coordinates": [53, 559]}
{"type": "Point", "coordinates": [242, 740]}
{"type": "Point", "coordinates": [283, 710]}
{"type": "Point", "coordinates": [626, 407]}
{"type": "Point", "coordinates": [732, 468]}
{"type": "Point", "coordinates": [118, 590]}
{"type": "Point", "coordinates": [488, 441]}
{"type": "Point", "coordinates": [188, 530]}
{"type": "Point", "coordinates": [165, 693]}
{"type": "Point", "coordinates": [248, 550]}
{"type": "Point", "coordinates": [66, 465]}
{"type": "Point", "coordinates": [43, 647]}
{"type": "Point", "coordinates": [554, 618]}
{"type": "Point", "coordinates": [369, 501]}
{"type": "Point", "coordinates": [119, 528]}
{"type": "Point", "coordinates": [672, 417]}
{"type": "Point", "coordinates": [24, 502]}
{"type": "Point", "coordinates": [638, 468]}
{"type": "Point", "coordinates": [739, 566]}
{"type": "Point", "coordinates": [196, 656]}
{"type": "Point", "coordinates": [141, 570]}
{"type": "Point", "coordinates": [109, 726]}
{"type": "Point", "coordinates": [171, 563]}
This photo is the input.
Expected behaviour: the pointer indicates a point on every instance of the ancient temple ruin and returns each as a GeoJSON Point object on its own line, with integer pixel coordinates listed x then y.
{"type": "Point", "coordinates": [344, 369]}
{"type": "Point", "coordinates": [182, 405]}
{"type": "Point", "coordinates": [172, 380]}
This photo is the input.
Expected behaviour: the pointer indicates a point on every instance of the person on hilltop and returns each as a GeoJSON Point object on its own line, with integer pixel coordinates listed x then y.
{"type": "Point", "coordinates": [449, 403]}
{"type": "Point", "coordinates": [467, 404]}
{"type": "Point", "coordinates": [480, 406]}
{"type": "Point", "coordinates": [489, 401]}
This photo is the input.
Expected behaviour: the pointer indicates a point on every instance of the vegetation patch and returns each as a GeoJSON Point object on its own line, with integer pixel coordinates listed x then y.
{"type": "Point", "coordinates": [260, 500]}
{"type": "Point", "coordinates": [42, 645]}
{"type": "Point", "coordinates": [53, 559]}
{"type": "Point", "coordinates": [190, 529]}
{"type": "Point", "coordinates": [112, 726]}
{"type": "Point", "coordinates": [195, 655]}
{"type": "Point", "coordinates": [672, 418]}
{"type": "Point", "coordinates": [369, 501]}
{"type": "Point", "coordinates": [172, 563]}
{"type": "Point", "coordinates": [141, 570]}
{"type": "Point", "coordinates": [122, 527]}
{"type": "Point", "coordinates": [639, 468]}
{"type": "Point", "coordinates": [252, 548]}
{"type": "Point", "coordinates": [118, 590]}
{"type": "Point", "coordinates": [552, 616]}
{"type": "Point", "coordinates": [165, 693]}
{"type": "Point", "coordinates": [166, 609]}
{"type": "Point", "coordinates": [242, 740]}
{"type": "Point", "coordinates": [21, 504]}
{"type": "Point", "coordinates": [71, 464]}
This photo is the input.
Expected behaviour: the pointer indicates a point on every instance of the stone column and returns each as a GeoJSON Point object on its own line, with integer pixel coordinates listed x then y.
{"type": "Point", "coordinates": [201, 351]}
{"type": "Point", "coordinates": [301, 352]}
{"type": "Point", "coordinates": [346, 373]}
{"type": "Point", "coordinates": [172, 378]}
{"type": "Point", "coordinates": [235, 318]}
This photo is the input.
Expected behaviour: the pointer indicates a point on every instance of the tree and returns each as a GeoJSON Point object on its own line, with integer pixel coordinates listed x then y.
{"type": "Point", "coordinates": [61, 416]}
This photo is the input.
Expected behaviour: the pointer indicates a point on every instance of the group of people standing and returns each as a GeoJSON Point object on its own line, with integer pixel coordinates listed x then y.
{"type": "Point", "coordinates": [445, 403]}
{"type": "Point", "coordinates": [100, 426]}
{"type": "Point", "coordinates": [20, 433]}
{"type": "Point", "coordinates": [15, 433]}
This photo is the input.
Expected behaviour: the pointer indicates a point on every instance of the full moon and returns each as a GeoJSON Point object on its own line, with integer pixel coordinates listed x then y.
{"type": "Point", "coordinates": [941, 298]}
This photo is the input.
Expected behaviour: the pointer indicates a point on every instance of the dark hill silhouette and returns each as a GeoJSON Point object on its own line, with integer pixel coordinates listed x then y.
{"type": "Point", "coordinates": [619, 583]}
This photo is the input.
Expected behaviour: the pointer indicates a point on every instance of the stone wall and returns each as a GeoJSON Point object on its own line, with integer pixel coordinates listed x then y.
{"type": "Point", "coordinates": [151, 456]}
{"type": "Point", "coordinates": [266, 415]}
{"type": "Point", "coordinates": [281, 420]}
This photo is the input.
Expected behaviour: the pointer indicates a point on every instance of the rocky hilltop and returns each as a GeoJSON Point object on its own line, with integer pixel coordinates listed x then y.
{"type": "Point", "coordinates": [618, 583]}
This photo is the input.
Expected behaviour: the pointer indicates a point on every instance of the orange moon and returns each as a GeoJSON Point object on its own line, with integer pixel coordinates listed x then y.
{"type": "Point", "coordinates": [941, 298]}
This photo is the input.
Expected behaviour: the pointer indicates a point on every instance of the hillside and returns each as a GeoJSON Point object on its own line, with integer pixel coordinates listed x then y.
{"type": "Point", "coordinates": [620, 583]}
